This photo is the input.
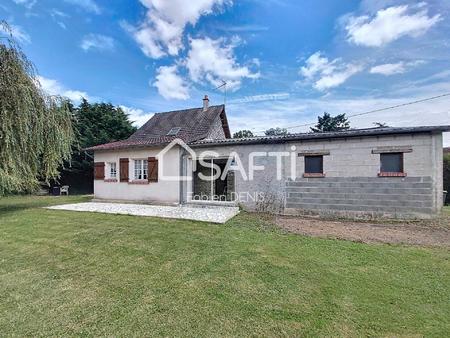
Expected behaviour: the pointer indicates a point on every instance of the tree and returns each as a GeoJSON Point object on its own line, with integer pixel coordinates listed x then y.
{"type": "Point", "coordinates": [99, 123]}
{"type": "Point", "coordinates": [243, 134]}
{"type": "Point", "coordinates": [331, 123]}
{"type": "Point", "coordinates": [276, 132]}
{"type": "Point", "coordinates": [35, 129]}
{"type": "Point", "coordinates": [95, 124]}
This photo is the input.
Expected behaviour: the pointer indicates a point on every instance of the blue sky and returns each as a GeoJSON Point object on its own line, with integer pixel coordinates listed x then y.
{"type": "Point", "coordinates": [284, 61]}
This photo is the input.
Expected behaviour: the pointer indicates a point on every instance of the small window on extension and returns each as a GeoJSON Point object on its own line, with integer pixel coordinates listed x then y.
{"type": "Point", "coordinates": [391, 162]}
{"type": "Point", "coordinates": [314, 164]}
{"type": "Point", "coordinates": [174, 131]}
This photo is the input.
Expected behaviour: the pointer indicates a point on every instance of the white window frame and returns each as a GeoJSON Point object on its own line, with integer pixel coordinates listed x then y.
{"type": "Point", "coordinates": [140, 172]}
{"type": "Point", "coordinates": [112, 170]}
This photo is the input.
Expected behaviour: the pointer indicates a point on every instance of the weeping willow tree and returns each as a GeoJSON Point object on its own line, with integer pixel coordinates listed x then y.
{"type": "Point", "coordinates": [35, 129]}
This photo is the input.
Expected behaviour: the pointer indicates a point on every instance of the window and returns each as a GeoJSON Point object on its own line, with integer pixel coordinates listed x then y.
{"type": "Point", "coordinates": [140, 169]}
{"type": "Point", "coordinates": [112, 170]}
{"type": "Point", "coordinates": [391, 163]}
{"type": "Point", "coordinates": [314, 164]}
{"type": "Point", "coordinates": [173, 131]}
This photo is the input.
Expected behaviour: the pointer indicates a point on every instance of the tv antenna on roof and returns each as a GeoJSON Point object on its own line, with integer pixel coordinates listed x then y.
{"type": "Point", "coordinates": [224, 86]}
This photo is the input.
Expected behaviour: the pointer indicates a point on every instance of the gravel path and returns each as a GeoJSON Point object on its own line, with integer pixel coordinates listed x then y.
{"type": "Point", "coordinates": [205, 214]}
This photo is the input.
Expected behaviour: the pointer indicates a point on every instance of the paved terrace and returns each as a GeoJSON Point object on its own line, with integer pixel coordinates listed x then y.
{"type": "Point", "coordinates": [211, 214]}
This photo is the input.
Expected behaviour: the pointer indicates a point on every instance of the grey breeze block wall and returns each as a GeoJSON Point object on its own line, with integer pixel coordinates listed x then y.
{"type": "Point", "coordinates": [362, 196]}
{"type": "Point", "coordinates": [351, 186]}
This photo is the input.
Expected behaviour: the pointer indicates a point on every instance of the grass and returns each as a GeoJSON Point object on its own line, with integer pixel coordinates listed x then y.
{"type": "Point", "coordinates": [86, 274]}
{"type": "Point", "coordinates": [447, 209]}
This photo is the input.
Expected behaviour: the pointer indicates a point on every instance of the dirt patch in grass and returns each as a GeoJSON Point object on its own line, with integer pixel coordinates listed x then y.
{"type": "Point", "coordinates": [433, 233]}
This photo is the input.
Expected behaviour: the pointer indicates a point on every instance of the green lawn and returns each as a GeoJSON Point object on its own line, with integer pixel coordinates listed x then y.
{"type": "Point", "coordinates": [85, 274]}
{"type": "Point", "coordinates": [447, 209]}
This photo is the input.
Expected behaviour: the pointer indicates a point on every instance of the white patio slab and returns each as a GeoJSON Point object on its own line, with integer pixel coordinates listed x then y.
{"type": "Point", "coordinates": [213, 214]}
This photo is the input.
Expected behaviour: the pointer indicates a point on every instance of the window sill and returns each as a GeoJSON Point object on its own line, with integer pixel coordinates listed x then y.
{"type": "Point", "coordinates": [138, 182]}
{"type": "Point", "coordinates": [110, 180]}
{"type": "Point", "coordinates": [317, 175]}
{"type": "Point", "coordinates": [391, 174]}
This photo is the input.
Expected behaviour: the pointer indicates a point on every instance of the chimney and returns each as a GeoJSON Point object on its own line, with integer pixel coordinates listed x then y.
{"type": "Point", "coordinates": [205, 103]}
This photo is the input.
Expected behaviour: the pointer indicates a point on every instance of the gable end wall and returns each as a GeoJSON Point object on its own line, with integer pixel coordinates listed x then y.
{"type": "Point", "coordinates": [216, 132]}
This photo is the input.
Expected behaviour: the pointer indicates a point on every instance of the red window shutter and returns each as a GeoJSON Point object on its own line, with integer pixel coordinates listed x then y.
{"type": "Point", "coordinates": [99, 170]}
{"type": "Point", "coordinates": [152, 169]}
{"type": "Point", "coordinates": [123, 169]}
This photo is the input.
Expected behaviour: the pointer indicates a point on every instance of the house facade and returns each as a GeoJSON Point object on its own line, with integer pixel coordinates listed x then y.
{"type": "Point", "coordinates": [188, 157]}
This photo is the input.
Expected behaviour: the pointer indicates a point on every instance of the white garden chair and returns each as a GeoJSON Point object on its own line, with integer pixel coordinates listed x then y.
{"type": "Point", "coordinates": [64, 190]}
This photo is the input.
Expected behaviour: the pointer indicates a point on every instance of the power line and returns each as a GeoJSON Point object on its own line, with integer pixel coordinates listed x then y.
{"type": "Point", "coordinates": [376, 110]}
{"type": "Point", "coordinates": [402, 105]}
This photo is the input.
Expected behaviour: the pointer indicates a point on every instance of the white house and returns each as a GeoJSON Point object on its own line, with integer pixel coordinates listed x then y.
{"type": "Point", "coordinates": [392, 172]}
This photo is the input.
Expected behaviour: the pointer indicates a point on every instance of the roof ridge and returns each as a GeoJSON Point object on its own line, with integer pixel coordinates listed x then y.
{"type": "Point", "coordinates": [181, 110]}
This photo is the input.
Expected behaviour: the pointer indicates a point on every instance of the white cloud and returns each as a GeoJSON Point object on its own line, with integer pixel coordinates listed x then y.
{"type": "Point", "coordinates": [146, 39]}
{"type": "Point", "coordinates": [97, 41]}
{"type": "Point", "coordinates": [27, 3]}
{"type": "Point", "coordinates": [53, 87]}
{"type": "Point", "coordinates": [389, 25]}
{"type": "Point", "coordinates": [394, 68]}
{"type": "Point", "coordinates": [213, 61]}
{"type": "Point", "coordinates": [171, 85]}
{"type": "Point", "coordinates": [317, 64]}
{"type": "Point", "coordinates": [57, 15]}
{"type": "Point", "coordinates": [61, 24]}
{"type": "Point", "coordinates": [137, 116]}
{"type": "Point", "coordinates": [88, 5]}
{"type": "Point", "coordinates": [337, 78]}
{"type": "Point", "coordinates": [389, 69]}
{"type": "Point", "coordinates": [17, 32]}
{"type": "Point", "coordinates": [162, 30]}
{"type": "Point", "coordinates": [328, 74]}
{"type": "Point", "coordinates": [209, 61]}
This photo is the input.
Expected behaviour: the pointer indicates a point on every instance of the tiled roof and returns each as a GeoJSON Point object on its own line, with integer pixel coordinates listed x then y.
{"type": "Point", "coordinates": [325, 135]}
{"type": "Point", "coordinates": [154, 141]}
{"type": "Point", "coordinates": [195, 124]}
